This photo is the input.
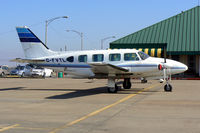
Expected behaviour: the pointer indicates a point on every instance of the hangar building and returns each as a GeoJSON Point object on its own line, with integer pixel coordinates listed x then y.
{"type": "Point", "coordinates": [180, 35]}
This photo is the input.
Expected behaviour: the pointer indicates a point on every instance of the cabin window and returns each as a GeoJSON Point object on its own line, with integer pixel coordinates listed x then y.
{"type": "Point", "coordinates": [115, 57]}
{"type": "Point", "coordinates": [97, 57]}
{"type": "Point", "coordinates": [143, 56]}
{"type": "Point", "coordinates": [82, 58]}
{"type": "Point", "coordinates": [130, 57]}
{"type": "Point", "coordinates": [70, 59]}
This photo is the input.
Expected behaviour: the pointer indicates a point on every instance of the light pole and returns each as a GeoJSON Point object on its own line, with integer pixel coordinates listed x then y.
{"type": "Point", "coordinates": [102, 40]}
{"type": "Point", "coordinates": [47, 22]}
{"type": "Point", "coordinates": [80, 34]}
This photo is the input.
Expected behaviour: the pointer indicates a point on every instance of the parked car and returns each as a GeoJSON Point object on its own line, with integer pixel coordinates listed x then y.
{"type": "Point", "coordinates": [4, 70]}
{"type": "Point", "coordinates": [39, 71]}
{"type": "Point", "coordinates": [19, 70]}
{"type": "Point", "coordinates": [30, 70]}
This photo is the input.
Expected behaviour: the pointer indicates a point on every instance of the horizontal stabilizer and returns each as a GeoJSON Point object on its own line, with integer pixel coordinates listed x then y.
{"type": "Point", "coordinates": [19, 60]}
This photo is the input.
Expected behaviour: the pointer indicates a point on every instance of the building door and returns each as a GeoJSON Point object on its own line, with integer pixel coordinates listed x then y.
{"type": "Point", "coordinates": [191, 64]}
{"type": "Point", "coordinates": [175, 57]}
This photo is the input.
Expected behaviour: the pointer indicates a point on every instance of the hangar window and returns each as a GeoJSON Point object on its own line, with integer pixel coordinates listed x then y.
{"type": "Point", "coordinates": [82, 58]}
{"type": "Point", "coordinates": [97, 57]}
{"type": "Point", "coordinates": [115, 57]}
{"type": "Point", "coordinates": [70, 59]}
{"type": "Point", "coordinates": [130, 57]}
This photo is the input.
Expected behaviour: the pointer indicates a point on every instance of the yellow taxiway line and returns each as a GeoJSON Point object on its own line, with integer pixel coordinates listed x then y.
{"type": "Point", "coordinates": [8, 127]}
{"type": "Point", "coordinates": [100, 110]}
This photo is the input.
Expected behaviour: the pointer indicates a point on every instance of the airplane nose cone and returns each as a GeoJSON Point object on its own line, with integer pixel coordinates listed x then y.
{"type": "Point", "coordinates": [186, 67]}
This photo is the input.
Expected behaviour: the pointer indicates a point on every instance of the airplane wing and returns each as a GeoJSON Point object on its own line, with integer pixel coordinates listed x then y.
{"type": "Point", "coordinates": [27, 60]}
{"type": "Point", "coordinates": [102, 68]}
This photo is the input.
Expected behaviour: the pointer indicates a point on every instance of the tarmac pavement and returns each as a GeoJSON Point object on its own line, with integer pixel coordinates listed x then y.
{"type": "Point", "coordinates": [84, 106]}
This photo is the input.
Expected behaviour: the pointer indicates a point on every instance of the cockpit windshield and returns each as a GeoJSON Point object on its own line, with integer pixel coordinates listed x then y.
{"type": "Point", "coordinates": [143, 56]}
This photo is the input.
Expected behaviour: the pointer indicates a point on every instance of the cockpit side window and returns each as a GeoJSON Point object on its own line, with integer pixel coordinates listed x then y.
{"type": "Point", "coordinates": [131, 57]}
{"type": "Point", "coordinates": [143, 56]}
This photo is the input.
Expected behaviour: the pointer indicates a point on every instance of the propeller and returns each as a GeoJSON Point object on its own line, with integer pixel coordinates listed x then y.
{"type": "Point", "coordinates": [165, 67]}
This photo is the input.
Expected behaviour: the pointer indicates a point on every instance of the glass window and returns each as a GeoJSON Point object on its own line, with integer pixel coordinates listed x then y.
{"type": "Point", "coordinates": [28, 67]}
{"type": "Point", "coordinates": [143, 55]}
{"type": "Point", "coordinates": [97, 57]}
{"type": "Point", "coordinates": [20, 67]}
{"type": "Point", "coordinates": [130, 57]}
{"type": "Point", "coordinates": [82, 58]}
{"type": "Point", "coordinates": [4, 67]}
{"type": "Point", "coordinates": [70, 59]}
{"type": "Point", "coordinates": [115, 57]}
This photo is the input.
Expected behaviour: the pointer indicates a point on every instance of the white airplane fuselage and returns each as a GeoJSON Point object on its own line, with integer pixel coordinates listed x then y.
{"type": "Point", "coordinates": [139, 68]}
{"type": "Point", "coordinates": [109, 64]}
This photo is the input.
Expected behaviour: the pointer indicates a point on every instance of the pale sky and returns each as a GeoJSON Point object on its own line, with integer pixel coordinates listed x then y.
{"type": "Point", "coordinates": [97, 19]}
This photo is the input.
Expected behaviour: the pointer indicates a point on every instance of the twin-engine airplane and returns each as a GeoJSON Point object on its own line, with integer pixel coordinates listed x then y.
{"type": "Point", "coordinates": [108, 64]}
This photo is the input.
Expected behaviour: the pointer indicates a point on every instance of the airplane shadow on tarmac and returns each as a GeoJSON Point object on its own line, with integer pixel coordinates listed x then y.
{"type": "Point", "coordinates": [95, 91]}
{"type": "Point", "coordinates": [9, 89]}
{"type": "Point", "coordinates": [79, 93]}
{"type": "Point", "coordinates": [74, 93]}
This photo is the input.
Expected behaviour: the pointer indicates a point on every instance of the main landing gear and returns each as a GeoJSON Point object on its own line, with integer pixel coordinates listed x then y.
{"type": "Point", "coordinates": [113, 88]}
{"type": "Point", "coordinates": [127, 83]}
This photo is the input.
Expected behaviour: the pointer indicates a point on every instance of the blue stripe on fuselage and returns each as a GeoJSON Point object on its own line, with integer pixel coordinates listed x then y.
{"type": "Point", "coordinates": [88, 66]}
{"type": "Point", "coordinates": [66, 65]}
{"type": "Point", "coordinates": [139, 65]}
{"type": "Point", "coordinates": [178, 68]}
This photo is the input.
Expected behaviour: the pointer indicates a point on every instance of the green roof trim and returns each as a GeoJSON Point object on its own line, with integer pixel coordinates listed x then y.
{"type": "Point", "coordinates": [181, 34]}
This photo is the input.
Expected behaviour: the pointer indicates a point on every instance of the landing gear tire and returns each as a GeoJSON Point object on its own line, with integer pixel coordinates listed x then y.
{"type": "Point", "coordinates": [127, 83]}
{"type": "Point", "coordinates": [23, 74]}
{"type": "Point", "coordinates": [168, 88]}
{"type": "Point", "coordinates": [2, 74]}
{"type": "Point", "coordinates": [44, 75]}
{"type": "Point", "coordinates": [113, 89]}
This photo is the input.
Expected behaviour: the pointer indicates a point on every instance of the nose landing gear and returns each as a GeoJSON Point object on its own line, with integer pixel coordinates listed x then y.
{"type": "Point", "coordinates": [168, 88]}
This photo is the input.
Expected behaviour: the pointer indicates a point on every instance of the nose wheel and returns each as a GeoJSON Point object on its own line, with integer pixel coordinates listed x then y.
{"type": "Point", "coordinates": [168, 88]}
